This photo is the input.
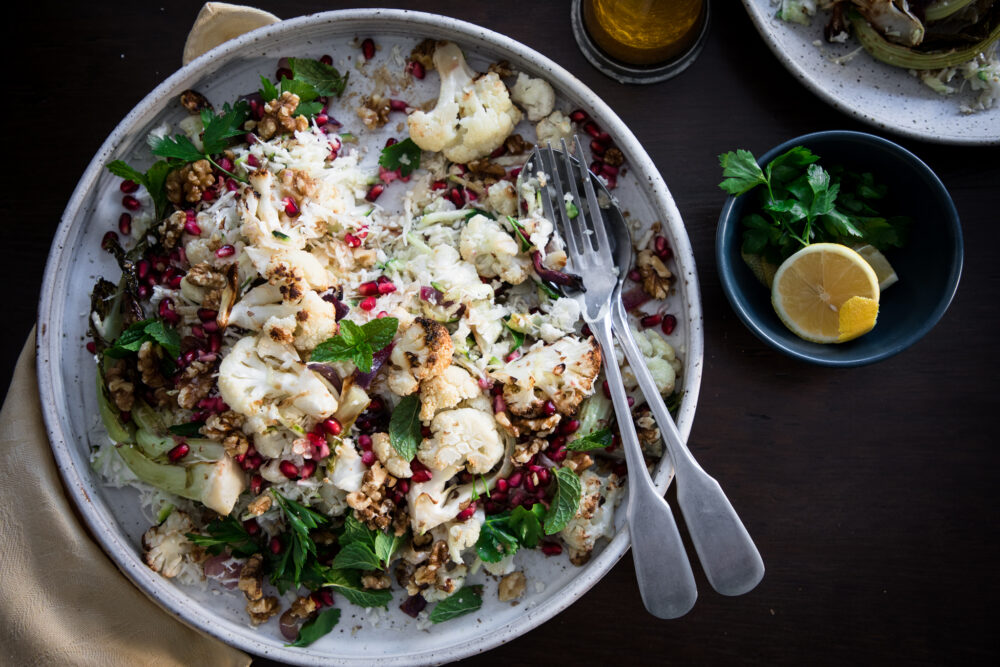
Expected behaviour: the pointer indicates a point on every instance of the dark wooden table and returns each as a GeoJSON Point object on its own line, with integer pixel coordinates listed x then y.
{"type": "Point", "coordinates": [871, 492]}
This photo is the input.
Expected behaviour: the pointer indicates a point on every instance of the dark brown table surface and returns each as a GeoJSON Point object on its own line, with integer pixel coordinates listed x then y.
{"type": "Point", "coordinates": [871, 492]}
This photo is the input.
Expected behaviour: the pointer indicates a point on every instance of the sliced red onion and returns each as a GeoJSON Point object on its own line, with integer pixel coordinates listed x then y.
{"type": "Point", "coordinates": [431, 295]}
{"type": "Point", "coordinates": [634, 298]}
{"type": "Point", "coordinates": [553, 276]}
{"type": "Point", "coordinates": [329, 373]}
{"type": "Point", "coordinates": [364, 380]}
{"type": "Point", "coordinates": [224, 568]}
{"type": "Point", "coordinates": [289, 626]}
{"type": "Point", "coordinates": [341, 307]}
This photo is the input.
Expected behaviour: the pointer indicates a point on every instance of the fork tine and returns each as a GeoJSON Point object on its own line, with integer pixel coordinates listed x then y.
{"type": "Point", "coordinates": [596, 217]}
{"type": "Point", "coordinates": [582, 222]}
{"type": "Point", "coordinates": [573, 242]}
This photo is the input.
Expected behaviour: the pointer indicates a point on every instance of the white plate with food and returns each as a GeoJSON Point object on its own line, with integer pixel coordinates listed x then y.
{"type": "Point", "coordinates": [957, 105]}
{"type": "Point", "coordinates": [300, 333]}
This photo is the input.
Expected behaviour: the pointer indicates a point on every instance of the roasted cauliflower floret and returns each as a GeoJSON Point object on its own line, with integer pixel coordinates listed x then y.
{"type": "Point", "coordinates": [348, 470]}
{"type": "Point", "coordinates": [462, 535]}
{"type": "Point", "coordinates": [462, 437]}
{"type": "Point", "coordinates": [422, 351]}
{"type": "Point", "coordinates": [562, 372]}
{"type": "Point", "coordinates": [556, 319]}
{"type": "Point", "coordinates": [167, 549]}
{"type": "Point", "coordinates": [493, 251]}
{"type": "Point", "coordinates": [535, 96]}
{"type": "Point", "coordinates": [660, 360]}
{"type": "Point", "coordinates": [473, 114]}
{"type": "Point", "coordinates": [294, 272]}
{"type": "Point", "coordinates": [264, 381]}
{"type": "Point", "coordinates": [316, 321]}
{"type": "Point", "coordinates": [502, 196]}
{"type": "Point", "coordinates": [553, 128]}
{"type": "Point", "coordinates": [595, 517]}
{"type": "Point", "coordinates": [444, 391]}
{"type": "Point", "coordinates": [387, 456]}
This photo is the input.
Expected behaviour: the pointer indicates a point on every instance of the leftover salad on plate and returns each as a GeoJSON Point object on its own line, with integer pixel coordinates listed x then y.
{"type": "Point", "coordinates": [335, 380]}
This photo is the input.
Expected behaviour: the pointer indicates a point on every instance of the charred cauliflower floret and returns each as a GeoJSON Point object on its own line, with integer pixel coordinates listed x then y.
{"type": "Point", "coordinates": [387, 456]}
{"type": "Point", "coordinates": [462, 437]}
{"type": "Point", "coordinates": [493, 251]}
{"type": "Point", "coordinates": [502, 196]}
{"type": "Point", "coordinates": [535, 96]}
{"type": "Point", "coordinates": [659, 357]}
{"type": "Point", "coordinates": [461, 535]}
{"type": "Point", "coordinates": [422, 351]}
{"type": "Point", "coordinates": [167, 549]}
{"type": "Point", "coordinates": [294, 272]}
{"type": "Point", "coordinates": [444, 391]}
{"type": "Point", "coordinates": [265, 382]}
{"type": "Point", "coordinates": [473, 114]}
{"type": "Point", "coordinates": [554, 128]}
{"type": "Point", "coordinates": [562, 372]}
{"type": "Point", "coordinates": [595, 517]}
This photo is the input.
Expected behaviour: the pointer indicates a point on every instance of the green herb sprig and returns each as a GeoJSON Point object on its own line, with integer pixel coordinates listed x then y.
{"type": "Point", "coordinates": [357, 343]}
{"type": "Point", "coordinates": [404, 427]}
{"type": "Point", "coordinates": [597, 440]}
{"type": "Point", "coordinates": [403, 155]}
{"type": "Point", "coordinates": [467, 600]}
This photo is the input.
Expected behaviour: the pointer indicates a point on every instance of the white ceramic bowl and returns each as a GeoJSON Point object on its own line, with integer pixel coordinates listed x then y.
{"type": "Point", "coordinates": [66, 370]}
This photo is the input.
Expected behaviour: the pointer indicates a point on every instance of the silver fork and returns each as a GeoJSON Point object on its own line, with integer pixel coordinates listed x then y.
{"type": "Point", "coordinates": [666, 582]}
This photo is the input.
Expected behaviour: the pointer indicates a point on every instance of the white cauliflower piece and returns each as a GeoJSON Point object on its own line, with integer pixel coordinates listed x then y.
{"type": "Point", "coordinates": [502, 197]}
{"type": "Point", "coordinates": [422, 351]}
{"type": "Point", "coordinates": [554, 128]}
{"type": "Point", "coordinates": [462, 535]}
{"type": "Point", "coordinates": [444, 391]}
{"type": "Point", "coordinates": [348, 470]}
{"type": "Point", "coordinates": [535, 96]}
{"type": "Point", "coordinates": [556, 319]}
{"type": "Point", "coordinates": [258, 306]}
{"type": "Point", "coordinates": [429, 504]}
{"type": "Point", "coordinates": [387, 456]}
{"type": "Point", "coordinates": [168, 551]}
{"type": "Point", "coordinates": [447, 583]}
{"type": "Point", "coordinates": [563, 372]}
{"type": "Point", "coordinates": [459, 278]}
{"type": "Point", "coordinates": [502, 567]}
{"type": "Point", "coordinates": [595, 517]}
{"type": "Point", "coordinates": [274, 443]}
{"type": "Point", "coordinates": [660, 359]}
{"type": "Point", "coordinates": [473, 114]}
{"type": "Point", "coordinates": [493, 251]}
{"type": "Point", "coordinates": [462, 437]}
{"type": "Point", "coordinates": [293, 271]}
{"type": "Point", "coordinates": [264, 381]}
{"type": "Point", "coordinates": [316, 320]}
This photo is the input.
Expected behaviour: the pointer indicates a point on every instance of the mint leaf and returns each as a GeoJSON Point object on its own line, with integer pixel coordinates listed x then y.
{"type": "Point", "coordinates": [308, 108]}
{"type": "Point", "coordinates": [167, 337]}
{"type": "Point", "coordinates": [366, 598]}
{"type": "Point", "coordinates": [305, 91]}
{"type": "Point", "coordinates": [219, 129]}
{"type": "Point", "coordinates": [566, 502]}
{"type": "Point", "coordinates": [495, 541]}
{"type": "Point", "coordinates": [404, 427]}
{"type": "Point", "coordinates": [403, 155]}
{"type": "Point", "coordinates": [355, 531]}
{"type": "Point", "coordinates": [188, 430]}
{"type": "Point", "coordinates": [741, 171]}
{"type": "Point", "coordinates": [465, 601]}
{"type": "Point", "coordinates": [596, 440]}
{"type": "Point", "coordinates": [178, 147]}
{"type": "Point", "coordinates": [315, 628]}
{"type": "Point", "coordinates": [222, 533]}
{"type": "Point", "coordinates": [526, 525]}
{"type": "Point", "coordinates": [356, 556]}
{"type": "Point", "coordinates": [324, 78]}
{"type": "Point", "coordinates": [268, 91]}
{"type": "Point", "coordinates": [380, 333]}
{"type": "Point", "coordinates": [123, 170]}
{"type": "Point", "coordinates": [385, 546]}
{"type": "Point", "coordinates": [357, 344]}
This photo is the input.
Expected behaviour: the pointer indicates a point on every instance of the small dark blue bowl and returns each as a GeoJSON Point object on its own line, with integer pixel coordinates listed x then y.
{"type": "Point", "coordinates": [929, 266]}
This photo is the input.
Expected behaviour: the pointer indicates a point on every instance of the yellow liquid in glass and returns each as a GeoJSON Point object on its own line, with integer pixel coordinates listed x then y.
{"type": "Point", "coordinates": [643, 32]}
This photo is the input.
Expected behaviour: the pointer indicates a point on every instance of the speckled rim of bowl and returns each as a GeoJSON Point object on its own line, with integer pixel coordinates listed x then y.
{"type": "Point", "coordinates": [52, 309]}
{"type": "Point", "coordinates": [729, 281]}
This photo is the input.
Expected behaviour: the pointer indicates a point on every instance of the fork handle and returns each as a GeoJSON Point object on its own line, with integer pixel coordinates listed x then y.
{"type": "Point", "coordinates": [662, 569]}
{"type": "Point", "coordinates": [731, 561]}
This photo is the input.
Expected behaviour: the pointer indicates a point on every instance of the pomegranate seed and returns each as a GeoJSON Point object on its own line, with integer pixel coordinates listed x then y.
{"type": "Point", "coordinates": [499, 151]}
{"type": "Point", "coordinates": [612, 182]}
{"type": "Point", "coordinates": [253, 161]}
{"type": "Point", "coordinates": [289, 469]}
{"type": "Point", "coordinates": [578, 116]}
{"type": "Point", "coordinates": [529, 483]}
{"type": "Point", "coordinates": [557, 455]}
{"type": "Point", "coordinates": [549, 408]}
{"type": "Point", "coordinates": [661, 248]}
{"type": "Point", "coordinates": [543, 476]}
{"type": "Point", "coordinates": [166, 311]}
{"type": "Point", "coordinates": [128, 187]}
{"type": "Point", "coordinates": [551, 548]}
{"type": "Point", "coordinates": [502, 485]}
{"type": "Point", "coordinates": [322, 119]}
{"type": "Point", "coordinates": [352, 240]}
{"type": "Point", "coordinates": [189, 356]}
{"type": "Point", "coordinates": [225, 251]}
{"type": "Point", "coordinates": [91, 347]}
{"type": "Point", "coordinates": [192, 228]}
{"type": "Point", "coordinates": [291, 208]}
{"type": "Point", "coordinates": [125, 224]}
{"type": "Point", "coordinates": [558, 442]}
{"type": "Point", "coordinates": [368, 303]}
{"type": "Point", "coordinates": [456, 197]}
{"type": "Point", "coordinates": [484, 383]}
{"type": "Point", "coordinates": [207, 314]}
{"type": "Point", "coordinates": [251, 526]}
{"type": "Point", "coordinates": [516, 354]}
{"type": "Point", "coordinates": [630, 401]}
{"type": "Point", "coordinates": [467, 513]}
{"type": "Point", "coordinates": [308, 468]}
{"type": "Point", "coordinates": [332, 426]}
{"type": "Point", "coordinates": [368, 48]}
{"type": "Point", "coordinates": [499, 404]}
{"type": "Point", "coordinates": [275, 545]}
{"type": "Point", "coordinates": [369, 288]}
{"type": "Point", "coordinates": [634, 276]}
{"type": "Point", "coordinates": [398, 105]}
{"type": "Point", "coordinates": [492, 507]}
{"type": "Point", "coordinates": [211, 326]}
{"type": "Point", "coordinates": [208, 195]}
{"type": "Point", "coordinates": [225, 164]}
{"type": "Point", "coordinates": [420, 476]}
{"type": "Point", "coordinates": [325, 596]}
{"type": "Point", "coordinates": [608, 170]}
{"type": "Point", "coordinates": [253, 462]}
{"type": "Point", "coordinates": [142, 268]}
{"type": "Point", "coordinates": [365, 442]}
{"type": "Point", "coordinates": [591, 128]}
{"type": "Point", "coordinates": [403, 486]}
{"type": "Point", "coordinates": [515, 479]}
{"type": "Point", "coordinates": [131, 203]}
{"type": "Point", "coordinates": [368, 458]}
{"type": "Point", "coordinates": [326, 60]}
{"type": "Point", "coordinates": [596, 167]}
{"type": "Point", "coordinates": [386, 287]}
{"type": "Point", "coordinates": [416, 69]}
{"type": "Point", "coordinates": [597, 147]}
{"type": "Point", "coordinates": [569, 427]}
{"type": "Point", "coordinates": [651, 320]}
{"type": "Point", "coordinates": [178, 452]}
{"type": "Point", "coordinates": [438, 185]}
{"type": "Point", "coordinates": [669, 322]}
{"type": "Point", "coordinates": [283, 73]}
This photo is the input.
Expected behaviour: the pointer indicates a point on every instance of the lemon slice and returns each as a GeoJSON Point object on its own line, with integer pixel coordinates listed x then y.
{"type": "Point", "coordinates": [812, 286]}
{"type": "Point", "coordinates": [883, 269]}
{"type": "Point", "coordinates": [219, 22]}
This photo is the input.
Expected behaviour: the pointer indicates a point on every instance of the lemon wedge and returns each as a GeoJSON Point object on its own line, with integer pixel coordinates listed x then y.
{"type": "Point", "coordinates": [883, 269]}
{"type": "Point", "coordinates": [219, 22]}
{"type": "Point", "coordinates": [812, 287]}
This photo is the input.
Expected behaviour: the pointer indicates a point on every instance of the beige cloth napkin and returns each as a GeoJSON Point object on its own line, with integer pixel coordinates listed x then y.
{"type": "Point", "coordinates": [62, 600]}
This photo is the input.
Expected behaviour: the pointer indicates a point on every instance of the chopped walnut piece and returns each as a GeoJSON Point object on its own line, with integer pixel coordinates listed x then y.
{"type": "Point", "coordinates": [423, 53]}
{"type": "Point", "coordinates": [203, 275]}
{"type": "Point", "coordinates": [654, 274]}
{"type": "Point", "coordinates": [426, 574]}
{"type": "Point", "coordinates": [538, 425]}
{"type": "Point", "coordinates": [279, 117]}
{"type": "Point", "coordinates": [303, 607]}
{"type": "Point", "coordinates": [376, 581]}
{"type": "Point", "coordinates": [194, 101]}
{"type": "Point", "coordinates": [523, 451]}
{"type": "Point", "coordinates": [298, 183]}
{"type": "Point", "coordinates": [579, 461]}
{"type": "Point", "coordinates": [613, 157]}
{"type": "Point", "coordinates": [374, 111]}
{"type": "Point", "coordinates": [227, 429]}
{"type": "Point", "coordinates": [649, 433]}
{"type": "Point", "coordinates": [371, 503]}
{"type": "Point", "coordinates": [483, 167]}
{"type": "Point", "coordinates": [501, 68]}
{"type": "Point", "coordinates": [171, 229]}
{"type": "Point", "coordinates": [400, 522]}
{"type": "Point", "coordinates": [259, 505]}
{"type": "Point", "coordinates": [252, 578]}
{"type": "Point", "coordinates": [122, 391]}
{"type": "Point", "coordinates": [512, 586]}
{"type": "Point", "coordinates": [150, 355]}
{"type": "Point", "coordinates": [189, 182]}
{"type": "Point", "coordinates": [262, 609]}
{"type": "Point", "coordinates": [503, 421]}
{"type": "Point", "coordinates": [515, 144]}
{"type": "Point", "coordinates": [194, 384]}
